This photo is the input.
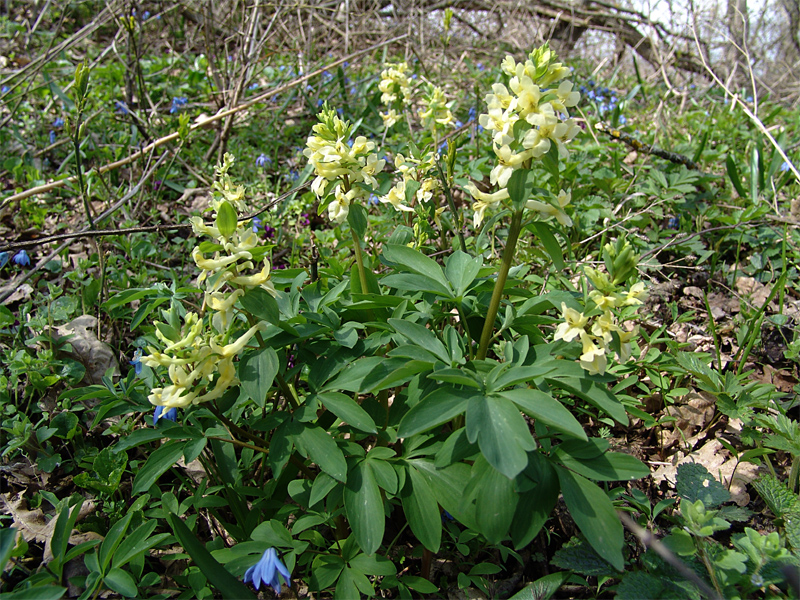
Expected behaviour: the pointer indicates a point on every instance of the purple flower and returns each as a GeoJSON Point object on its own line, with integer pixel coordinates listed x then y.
{"type": "Point", "coordinates": [269, 570]}
{"type": "Point", "coordinates": [304, 220]}
{"type": "Point", "coordinates": [22, 259]}
{"type": "Point", "coordinates": [171, 414]}
{"type": "Point", "coordinates": [269, 232]}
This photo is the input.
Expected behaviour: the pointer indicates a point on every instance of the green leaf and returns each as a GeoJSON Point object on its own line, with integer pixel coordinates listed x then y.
{"type": "Point", "coordinates": [594, 395]}
{"type": "Point", "coordinates": [64, 524]}
{"type": "Point", "coordinates": [113, 540]}
{"type": "Point", "coordinates": [421, 336]}
{"type": "Point", "coordinates": [495, 501]}
{"type": "Point", "coordinates": [364, 507]}
{"type": "Point", "coordinates": [322, 486]}
{"type": "Point", "coordinates": [227, 585]}
{"type": "Point", "coordinates": [415, 261]}
{"type": "Point", "coordinates": [535, 504]}
{"type": "Point", "coordinates": [502, 434]}
{"type": "Point", "coordinates": [544, 587]}
{"type": "Point", "coordinates": [413, 282]}
{"type": "Point", "coordinates": [373, 565]}
{"type": "Point", "coordinates": [348, 410]}
{"type": "Point", "coordinates": [323, 450]}
{"type": "Point", "coordinates": [733, 175]}
{"type": "Point", "coordinates": [594, 515]}
{"type": "Point", "coordinates": [545, 233]}
{"type": "Point", "coordinates": [36, 593]}
{"type": "Point", "coordinates": [422, 510]}
{"type": "Point", "coordinates": [8, 540]}
{"type": "Point", "coordinates": [520, 185]}
{"type": "Point", "coordinates": [136, 543]}
{"type": "Point", "coordinates": [543, 407]}
{"type": "Point", "coordinates": [257, 370]}
{"type": "Point", "coordinates": [121, 582]}
{"type": "Point", "coordinates": [448, 485]}
{"type": "Point", "coordinates": [754, 175]}
{"type": "Point", "coordinates": [226, 219]}
{"type": "Point", "coordinates": [357, 219]}
{"type": "Point", "coordinates": [156, 465]}
{"type": "Point", "coordinates": [419, 584]}
{"type": "Point", "coordinates": [610, 466]}
{"type": "Point", "coordinates": [436, 408]}
{"type": "Point", "coordinates": [461, 270]}
{"type": "Point", "coordinates": [325, 571]}
{"type": "Point", "coordinates": [779, 498]}
{"type": "Point", "coordinates": [578, 556]}
{"type": "Point", "coordinates": [260, 303]}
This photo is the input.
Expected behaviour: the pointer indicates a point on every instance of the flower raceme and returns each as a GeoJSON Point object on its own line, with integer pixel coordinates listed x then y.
{"type": "Point", "coordinates": [200, 354]}
{"type": "Point", "coordinates": [395, 90]}
{"type": "Point", "coordinates": [341, 164]}
{"type": "Point", "coordinates": [268, 570]}
{"type": "Point", "coordinates": [526, 118]}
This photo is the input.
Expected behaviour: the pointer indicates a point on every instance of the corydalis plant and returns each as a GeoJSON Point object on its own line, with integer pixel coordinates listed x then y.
{"type": "Point", "coordinates": [345, 168]}
{"type": "Point", "coordinates": [200, 352]}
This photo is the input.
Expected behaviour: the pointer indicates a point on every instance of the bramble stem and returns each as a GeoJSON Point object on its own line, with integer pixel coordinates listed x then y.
{"type": "Point", "coordinates": [500, 284]}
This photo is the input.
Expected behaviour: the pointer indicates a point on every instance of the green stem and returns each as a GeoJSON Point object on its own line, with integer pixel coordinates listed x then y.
{"type": "Point", "coordinates": [500, 284]}
{"type": "Point", "coordinates": [360, 262]}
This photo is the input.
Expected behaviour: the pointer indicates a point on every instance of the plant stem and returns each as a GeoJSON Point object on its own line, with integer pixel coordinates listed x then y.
{"type": "Point", "coordinates": [500, 284]}
{"type": "Point", "coordinates": [359, 261]}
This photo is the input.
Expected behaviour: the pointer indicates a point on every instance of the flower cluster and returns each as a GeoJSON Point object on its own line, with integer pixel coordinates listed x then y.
{"type": "Point", "coordinates": [200, 352]}
{"type": "Point", "coordinates": [395, 90]}
{"type": "Point", "coordinates": [525, 119]}
{"type": "Point", "coordinates": [435, 112]}
{"type": "Point", "coordinates": [345, 168]}
{"type": "Point", "coordinates": [606, 99]}
{"type": "Point", "coordinates": [598, 327]}
{"type": "Point", "coordinates": [417, 171]}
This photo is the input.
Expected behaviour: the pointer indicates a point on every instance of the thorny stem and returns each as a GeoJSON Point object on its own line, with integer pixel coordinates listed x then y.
{"type": "Point", "coordinates": [500, 284]}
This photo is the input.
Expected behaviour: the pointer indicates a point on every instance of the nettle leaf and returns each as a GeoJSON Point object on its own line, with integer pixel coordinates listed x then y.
{"type": "Point", "coordinates": [226, 218]}
{"type": "Point", "coordinates": [579, 556]}
{"type": "Point", "coordinates": [364, 507]}
{"type": "Point", "coordinates": [502, 434]}
{"type": "Point", "coordinates": [694, 482]}
{"type": "Point", "coordinates": [594, 515]}
{"type": "Point", "coordinates": [779, 498]}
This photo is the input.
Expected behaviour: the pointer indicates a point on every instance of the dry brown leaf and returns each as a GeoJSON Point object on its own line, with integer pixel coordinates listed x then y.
{"type": "Point", "coordinates": [95, 355]}
{"type": "Point", "coordinates": [34, 525]}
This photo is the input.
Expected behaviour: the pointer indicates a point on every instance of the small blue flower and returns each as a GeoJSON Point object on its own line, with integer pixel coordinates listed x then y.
{"type": "Point", "coordinates": [480, 67]}
{"type": "Point", "coordinates": [623, 119]}
{"type": "Point", "coordinates": [177, 102]}
{"type": "Point", "coordinates": [459, 124]}
{"type": "Point", "coordinates": [5, 89]}
{"type": "Point", "coordinates": [673, 223]}
{"type": "Point", "coordinates": [692, 86]}
{"type": "Point", "coordinates": [294, 175]}
{"type": "Point", "coordinates": [263, 160]}
{"type": "Point", "coordinates": [785, 166]}
{"type": "Point", "coordinates": [319, 102]}
{"type": "Point", "coordinates": [443, 147]}
{"type": "Point", "coordinates": [22, 259]}
{"type": "Point", "coordinates": [169, 414]}
{"type": "Point", "coordinates": [446, 516]}
{"type": "Point", "coordinates": [3, 259]}
{"type": "Point", "coordinates": [326, 76]}
{"type": "Point", "coordinates": [145, 15]}
{"type": "Point", "coordinates": [59, 122]}
{"type": "Point", "coordinates": [52, 137]}
{"type": "Point", "coordinates": [253, 86]}
{"type": "Point", "coordinates": [137, 362]}
{"type": "Point", "coordinates": [257, 223]}
{"type": "Point", "coordinates": [120, 107]}
{"type": "Point", "coordinates": [340, 111]}
{"type": "Point", "coordinates": [373, 199]}
{"type": "Point", "coordinates": [479, 129]}
{"type": "Point", "coordinates": [346, 64]}
{"type": "Point", "coordinates": [471, 115]}
{"type": "Point", "coordinates": [269, 570]}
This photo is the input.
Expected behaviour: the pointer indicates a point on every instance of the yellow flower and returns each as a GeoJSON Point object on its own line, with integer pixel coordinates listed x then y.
{"type": "Point", "coordinates": [636, 295]}
{"type": "Point", "coordinates": [396, 197]}
{"type": "Point", "coordinates": [339, 207]}
{"type": "Point", "coordinates": [593, 358]}
{"type": "Point", "coordinates": [573, 326]}
{"type": "Point", "coordinates": [484, 201]}
{"type": "Point", "coordinates": [602, 301]}
{"type": "Point", "coordinates": [548, 210]}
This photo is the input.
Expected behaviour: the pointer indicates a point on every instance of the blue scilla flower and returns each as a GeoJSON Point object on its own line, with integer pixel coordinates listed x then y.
{"type": "Point", "coordinates": [120, 107]}
{"type": "Point", "coordinates": [177, 102]}
{"type": "Point", "coordinates": [171, 414]}
{"type": "Point", "coordinates": [137, 364]}
{"type": "Point", "coordinates": [784, 167]}
{"type": "Point", "coordinates": [471, 115]}
{"type": "Point", "coordinates": [443, 147]}
{"type": "Point", "coordinates": [269, 570]}
{"type": "Point", "coordinates": [22, 259]}
{"type": "Point", "coordinates": [257, 224]}
{"type": "Point", "coordinates": [326, 76]}
{"type": "Point", "coordinates": [5, 89]}
{"type": "Point", "coordinates": [320, 102]}
{"type": "Point", "coordinates": [59, 122]}
{"type": "Point", "coordinates": [623, 119]}
{"type": "Point", "coordinates": [3, 259]}
{"type": "Point", "coordinates": [263, 160]}
{"type": "Point", "coordinates": [480, 67]}
{"type": "Point", "coordinates": [52, 137]}
{"type": "Point", "coordinates": [253, 86]}
{"type": "Point", "coordinates": [673, 223]}
{"type": "Point", "coordinates": [459, 124]}
{"type": "Point", "coordinates": [373, 199]}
